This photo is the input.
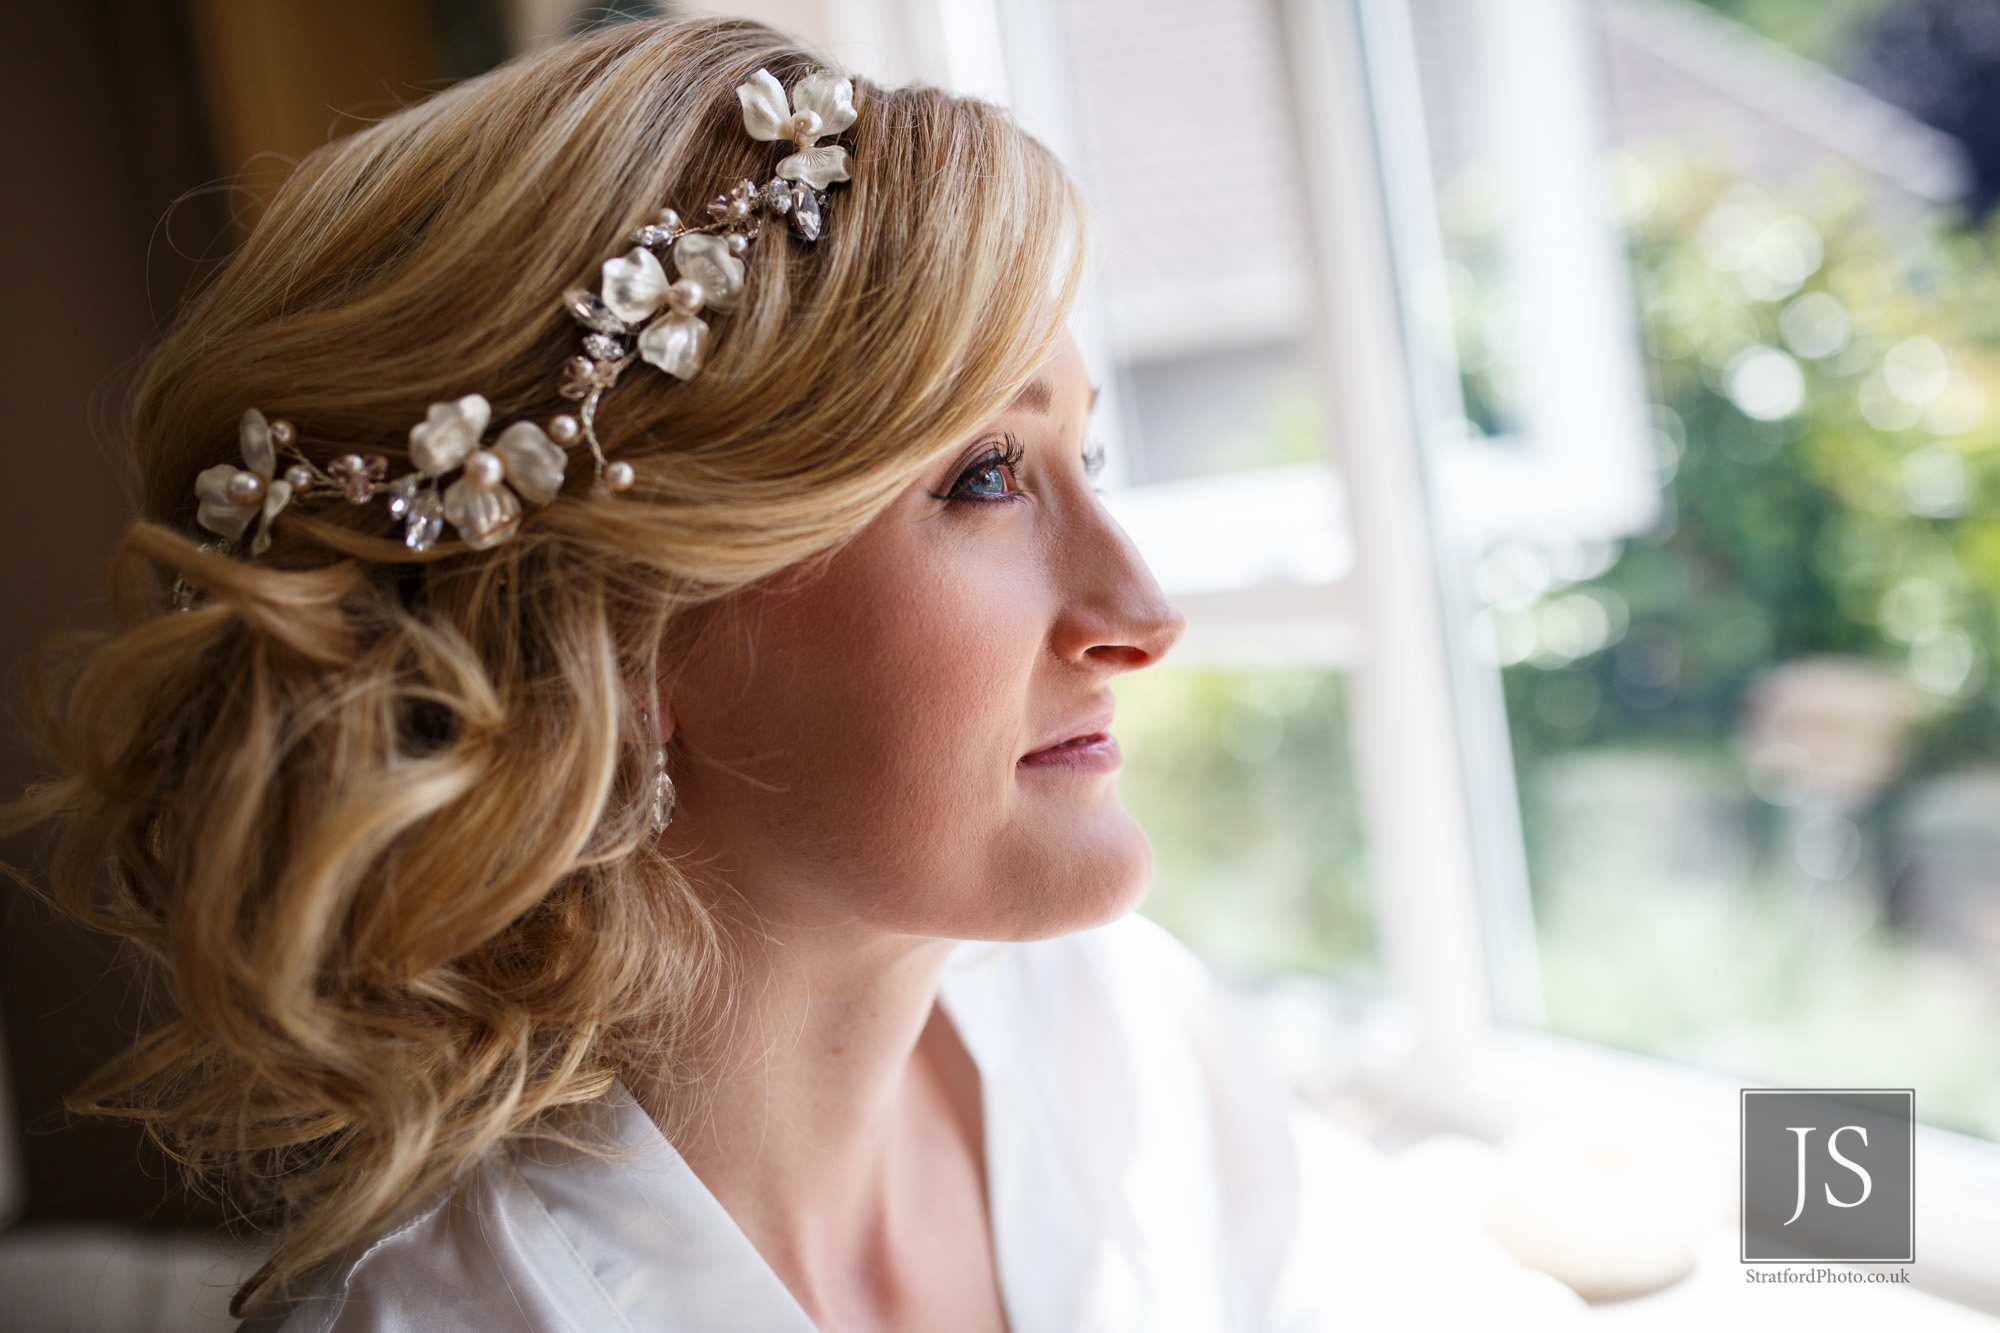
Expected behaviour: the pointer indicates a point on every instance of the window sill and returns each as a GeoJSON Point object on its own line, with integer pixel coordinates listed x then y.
{"type": "Point", "coordinates": [1515, 1080]}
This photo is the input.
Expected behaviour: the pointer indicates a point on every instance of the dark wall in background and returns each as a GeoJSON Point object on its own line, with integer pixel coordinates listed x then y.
{"type": "Point", "coordinates": [86, 172]}
{"type": "Point", "coordinates": [121, 119]}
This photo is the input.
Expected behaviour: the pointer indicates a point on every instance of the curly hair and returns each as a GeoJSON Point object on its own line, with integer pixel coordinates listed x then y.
{"type": "Point", "coordinates": [376, 821]}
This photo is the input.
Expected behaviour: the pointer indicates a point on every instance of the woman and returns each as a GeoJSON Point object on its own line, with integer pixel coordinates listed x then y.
{"type": "Point", "coordinates": [560, 734]}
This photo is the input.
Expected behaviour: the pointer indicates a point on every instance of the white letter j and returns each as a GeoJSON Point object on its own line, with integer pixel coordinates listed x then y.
{"type": "Point", "coordinates": [1804, 1132]}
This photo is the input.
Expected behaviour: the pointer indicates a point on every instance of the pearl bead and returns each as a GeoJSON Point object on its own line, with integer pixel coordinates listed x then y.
{"type": "Point", "coordinates": [805, 127]}
{"type": "Point", "coordinates": [667, 218]}
{"type": "Point", "coordinates": [282, 433]}
{"type": "Point", "coordinates": [738, 244]}
{"type": "Point", "coordinates": [245, 488]}
{"type": "Point", "coordinates": [565, 429]}
{"type": "Point", "coordinates": [299, 475]}
{"type": "Point", "coordinates": [686, 296]}
{"type": "Point", "coordinates": [619, 476]}
{"type": "Point", "coordinates": [484, 469]}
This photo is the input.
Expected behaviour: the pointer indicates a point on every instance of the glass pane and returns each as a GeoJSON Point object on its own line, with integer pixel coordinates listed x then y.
{"type": "Point", "coordinates": [1242, 780]}
{"type": "Point", "coordinates": [1757, 741]}
{"type": "Point", "coordinates": [1206, 331]}
{"type": "Point", "coordinates": [1224, 479]}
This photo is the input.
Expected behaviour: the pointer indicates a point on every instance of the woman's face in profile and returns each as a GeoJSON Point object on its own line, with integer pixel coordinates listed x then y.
{"type": "Point", "coordinates": [919, 738]}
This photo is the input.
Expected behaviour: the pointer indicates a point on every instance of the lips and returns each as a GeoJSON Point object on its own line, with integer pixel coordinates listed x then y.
{"type": "Point", "coordinates": [1094, 753]}
{"type": "Point", "coordinates": [1089, 746]}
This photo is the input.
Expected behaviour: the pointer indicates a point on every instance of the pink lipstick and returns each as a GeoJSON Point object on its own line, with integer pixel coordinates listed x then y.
{"type": "Point", "coordinates": [1094, 753]}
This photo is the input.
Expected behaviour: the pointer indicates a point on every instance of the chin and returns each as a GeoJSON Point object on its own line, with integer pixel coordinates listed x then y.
{"type": "Point", "coordinates": [1097, 874]}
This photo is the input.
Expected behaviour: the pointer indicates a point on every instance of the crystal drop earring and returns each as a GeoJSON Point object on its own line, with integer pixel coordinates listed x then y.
{"type": "Point", "coordinates": [663, 791]}
{"type": "Point", "coordinates": [663, 786]}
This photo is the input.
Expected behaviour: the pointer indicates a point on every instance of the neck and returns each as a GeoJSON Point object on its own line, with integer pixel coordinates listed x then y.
{"type": "Point", "coordinates": [832, 1064]}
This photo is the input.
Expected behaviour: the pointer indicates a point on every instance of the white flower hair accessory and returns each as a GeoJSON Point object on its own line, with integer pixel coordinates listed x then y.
{"type": "Point", "coordinates": [638, 313]}
{"type": "Point", "coordinates": [231, 496]}
{"type": "Point", "coordinates": [821, 104]}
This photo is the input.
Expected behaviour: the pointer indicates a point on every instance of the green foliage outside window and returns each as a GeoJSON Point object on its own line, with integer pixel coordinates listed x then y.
{"type": "Point", "coordinates": [1825, 31]}
{"type": "Point", "coordinates": [1828, 426]}
{"type": "Point", "coordinates": [1826, 386]}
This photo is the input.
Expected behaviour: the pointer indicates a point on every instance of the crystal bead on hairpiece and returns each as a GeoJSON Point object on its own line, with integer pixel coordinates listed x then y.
{"type": "Point", "coordinates": [640, 312]}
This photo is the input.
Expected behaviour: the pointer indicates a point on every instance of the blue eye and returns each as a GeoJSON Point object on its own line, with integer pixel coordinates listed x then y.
{"type": "Point", "coordinates": [988, 480]}
{"type": "Point", "coordinates": [990, 477]}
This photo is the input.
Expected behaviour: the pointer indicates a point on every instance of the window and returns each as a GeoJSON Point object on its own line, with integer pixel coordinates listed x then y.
{"type": "Point", "coordinates": [1737, 689]}
{"type": "Point", "coordinates": [1565, 423]}
{"type": "Point", "coordinates": [1239, 759]}
{"type": "Point", "coordinates": [1718, 642]}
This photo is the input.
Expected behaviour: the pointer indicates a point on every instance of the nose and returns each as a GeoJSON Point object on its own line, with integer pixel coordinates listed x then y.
{"type": "Point", "coordinates": [1115, 617]}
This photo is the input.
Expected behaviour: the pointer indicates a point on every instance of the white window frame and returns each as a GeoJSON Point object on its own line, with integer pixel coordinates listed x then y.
{"type": "Point", "coordinates": [1425, 733]}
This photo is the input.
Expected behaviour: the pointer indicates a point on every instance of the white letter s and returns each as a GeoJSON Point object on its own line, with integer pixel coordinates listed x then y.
{"type": "Point", "coordinates": [1833, 1151]}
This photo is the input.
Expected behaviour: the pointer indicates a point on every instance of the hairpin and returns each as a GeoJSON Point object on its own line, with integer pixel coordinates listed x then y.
{"type": "Point", "coordinates": [637, 314]}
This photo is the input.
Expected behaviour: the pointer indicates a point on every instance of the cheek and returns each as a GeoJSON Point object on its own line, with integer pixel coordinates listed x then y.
{"type": "Point", "coordinates": [850, 753]}
{"type": "Point", "coordinates": [932, 684]}
{"type": "Point", "coordinates": [860, 734]}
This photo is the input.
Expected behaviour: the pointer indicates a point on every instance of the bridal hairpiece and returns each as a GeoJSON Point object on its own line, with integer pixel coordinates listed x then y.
{"type": "Point", "coordinates": [638, 313]}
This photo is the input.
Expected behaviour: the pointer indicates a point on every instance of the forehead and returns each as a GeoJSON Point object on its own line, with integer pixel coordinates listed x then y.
{"type": "Point", "coordinates": [1063, 375]}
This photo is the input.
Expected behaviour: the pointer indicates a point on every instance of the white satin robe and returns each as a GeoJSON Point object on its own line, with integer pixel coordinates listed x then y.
{"type": "Point", "coordinates": [1143, 1176]}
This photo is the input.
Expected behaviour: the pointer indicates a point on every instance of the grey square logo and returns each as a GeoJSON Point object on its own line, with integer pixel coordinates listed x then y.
{"type": "Point", "coordinates": [1828, 1175]}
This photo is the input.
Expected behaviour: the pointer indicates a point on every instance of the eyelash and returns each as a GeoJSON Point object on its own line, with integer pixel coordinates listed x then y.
{"type": "Point", "coordinates": [1007, 455]}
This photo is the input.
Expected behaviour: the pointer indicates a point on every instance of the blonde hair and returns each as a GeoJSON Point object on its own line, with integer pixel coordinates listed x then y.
{"type": "Point", "coordinates": [378, 820]}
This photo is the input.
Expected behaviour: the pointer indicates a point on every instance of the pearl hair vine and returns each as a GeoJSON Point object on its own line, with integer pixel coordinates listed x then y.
{"type": "Point", "coordinates": [638, 314]}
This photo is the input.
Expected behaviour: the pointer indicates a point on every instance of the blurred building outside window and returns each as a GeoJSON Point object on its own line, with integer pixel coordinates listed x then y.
{"type": "Point", "coordinates": [1239, 762]}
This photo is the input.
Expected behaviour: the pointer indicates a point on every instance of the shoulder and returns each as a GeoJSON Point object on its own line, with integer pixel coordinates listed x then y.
{"type": "Point", "coordinates": [484, 1257]}
{"type": "Point", "coordinates": [597, 1226]}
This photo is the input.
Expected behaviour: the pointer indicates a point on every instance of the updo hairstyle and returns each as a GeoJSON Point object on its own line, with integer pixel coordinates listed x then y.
{"type": "Point", "coordinates": [376, 822]}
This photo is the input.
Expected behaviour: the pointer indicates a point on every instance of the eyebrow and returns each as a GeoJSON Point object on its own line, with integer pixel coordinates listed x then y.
{"type": "Point", "coordinates": [1036, 396]}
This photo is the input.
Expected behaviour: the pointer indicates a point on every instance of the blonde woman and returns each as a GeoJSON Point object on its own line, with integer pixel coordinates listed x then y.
{"type": "Point", "coordinates": [585, 670]}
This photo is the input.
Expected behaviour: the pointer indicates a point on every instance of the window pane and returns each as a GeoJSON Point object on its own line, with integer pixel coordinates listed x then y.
{"type": "Point", "coordinates": [1756, 740]}
{"type": "Point", "coordinates": [1237, 757]}
{"type": "Point", "coordinates": [1241, 779]}
{"type": "Point", "coordinates": [1205, 321]}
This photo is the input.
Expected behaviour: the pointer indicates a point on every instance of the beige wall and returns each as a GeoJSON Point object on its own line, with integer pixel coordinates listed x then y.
{"type": "Point", "coordinates": [283, 78]}
{"type": "Point", "coordinates": [811, 19]}
{"type": "Point", "coordinates": [952, 43]}
{"type": "Point", "coordinates": [536, 23]}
